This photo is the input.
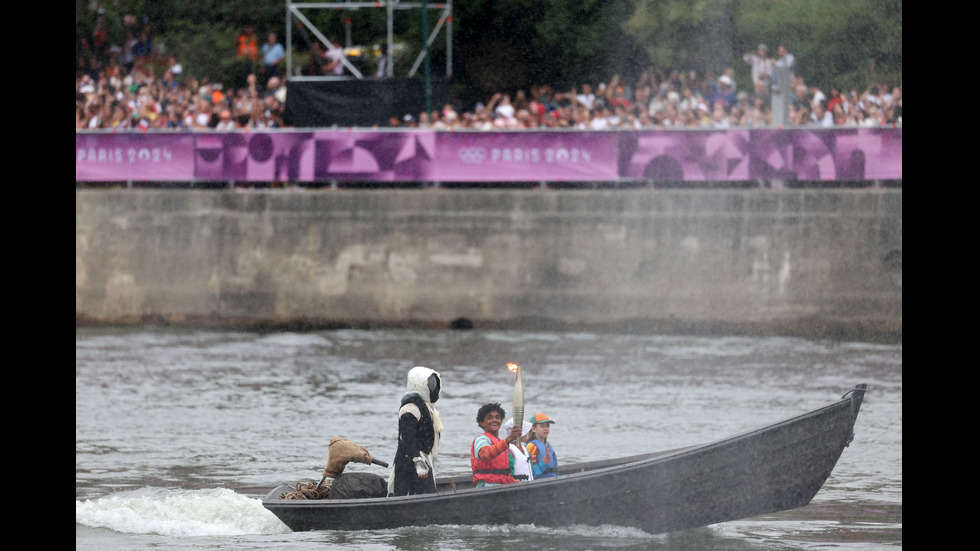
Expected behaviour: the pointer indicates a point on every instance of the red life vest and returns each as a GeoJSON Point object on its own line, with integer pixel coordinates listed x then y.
{"type": "Point", "coordinates": [494, 471]}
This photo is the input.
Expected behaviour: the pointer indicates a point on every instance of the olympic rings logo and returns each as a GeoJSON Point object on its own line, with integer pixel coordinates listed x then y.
{"type": "Point", "coordinates": [472, 155]}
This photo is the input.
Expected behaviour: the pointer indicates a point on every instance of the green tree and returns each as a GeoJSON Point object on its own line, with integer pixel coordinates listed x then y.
{"type": "Point", "coordinates": [584, 41]}
{"type": "Point", "coordinates": [847, 44]}
{"type": "Point", "coordinates": [685, 34]}
{"type": "Point", "coordinates": [506, 45]}
{"type": "Point", "coordinates": [201, 34]}
{"type": "Point", "coordinates": [513, 44]}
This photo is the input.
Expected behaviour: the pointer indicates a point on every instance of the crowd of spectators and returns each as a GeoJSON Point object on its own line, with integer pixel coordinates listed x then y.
{"type": "Point", "coordinates": [137, 86]}
{"type": "Point", "coordinates": [134, 86]}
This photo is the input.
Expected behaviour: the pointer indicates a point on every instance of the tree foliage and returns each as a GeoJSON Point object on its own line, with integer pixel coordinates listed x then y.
{"type": "Point", "coordinates": [847, 44]}
{"type": "Point", "coordinates": [684, 34]}
{"type": "Point", "coordinates": [508, 45]}
{"type": "Point", "coordinates": [513, 44]}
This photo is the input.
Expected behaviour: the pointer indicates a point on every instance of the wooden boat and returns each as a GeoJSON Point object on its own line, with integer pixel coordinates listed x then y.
{"type": "Point", "coordinates": [774, 468]}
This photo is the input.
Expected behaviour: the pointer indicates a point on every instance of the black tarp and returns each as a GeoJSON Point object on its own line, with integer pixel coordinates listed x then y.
{"type": "Point", "coordinates": [353, 102]}
{"type": "Point", "coordinates": [358, 485]}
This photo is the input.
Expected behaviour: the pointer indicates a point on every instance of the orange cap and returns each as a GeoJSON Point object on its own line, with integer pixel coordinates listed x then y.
{"type": "Point", "coordinates": [540, 418]}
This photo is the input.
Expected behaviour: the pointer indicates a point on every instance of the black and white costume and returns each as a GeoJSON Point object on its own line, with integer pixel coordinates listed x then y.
{"type": "Point", "coordinates": [418, 435]}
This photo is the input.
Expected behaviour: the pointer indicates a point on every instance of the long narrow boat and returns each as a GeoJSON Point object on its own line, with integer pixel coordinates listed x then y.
{"type": "Point", "coordinates": [774, 468]}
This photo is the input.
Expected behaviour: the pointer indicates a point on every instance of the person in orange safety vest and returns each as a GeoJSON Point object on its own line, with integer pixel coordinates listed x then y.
{"type": "Point", "coordinates": [488, 453]}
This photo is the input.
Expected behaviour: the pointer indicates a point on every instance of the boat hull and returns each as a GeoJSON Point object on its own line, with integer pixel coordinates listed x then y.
{"type": "Point", "coordinates": [774, 468]}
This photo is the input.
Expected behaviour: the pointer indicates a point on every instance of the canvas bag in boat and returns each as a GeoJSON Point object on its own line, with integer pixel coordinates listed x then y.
{"type": "Point", "coordinates": [358, 485]}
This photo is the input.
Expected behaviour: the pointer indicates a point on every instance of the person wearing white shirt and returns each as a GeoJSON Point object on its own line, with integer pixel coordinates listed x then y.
{"type": "Point", "coordinates": [785, 61]}
{"type": "Point", "coordinates": [520, 460]}
{"type": "Point", "coordinates": [761, 67]}
{"type": "Point", "coordinates": [586, 97]}
{"type": "Point", "coordinates": [820, 116]}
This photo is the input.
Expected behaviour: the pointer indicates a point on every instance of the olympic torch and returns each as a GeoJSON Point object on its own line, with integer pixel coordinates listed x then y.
{"type": "Point", "coordinates": [518, 395]}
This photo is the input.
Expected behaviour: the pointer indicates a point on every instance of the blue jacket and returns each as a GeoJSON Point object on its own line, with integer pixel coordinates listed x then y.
{"type": "Point", "coordinates": [541, 467]}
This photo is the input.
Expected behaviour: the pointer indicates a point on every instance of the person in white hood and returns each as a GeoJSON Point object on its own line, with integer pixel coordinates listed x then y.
{"type": "Point", "coordinates": [520, 459]}
{"type": "Point", "coordinates": [413, 470]}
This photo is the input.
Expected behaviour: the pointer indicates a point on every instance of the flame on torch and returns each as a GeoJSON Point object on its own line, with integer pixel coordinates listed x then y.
{"type": "Point", "coordinates": [518, 394]}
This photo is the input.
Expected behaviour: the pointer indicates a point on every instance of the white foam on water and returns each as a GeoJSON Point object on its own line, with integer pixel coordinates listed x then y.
{"type": "Point", "coordinates": [210, 512]}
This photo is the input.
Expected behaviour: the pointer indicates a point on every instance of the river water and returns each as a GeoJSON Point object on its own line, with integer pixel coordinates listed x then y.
{"type": "Point", "coordinates": [179, 433]}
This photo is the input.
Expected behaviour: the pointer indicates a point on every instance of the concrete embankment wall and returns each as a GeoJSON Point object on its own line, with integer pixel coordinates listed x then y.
{"type": "Point", "coordinates": [815, 263]}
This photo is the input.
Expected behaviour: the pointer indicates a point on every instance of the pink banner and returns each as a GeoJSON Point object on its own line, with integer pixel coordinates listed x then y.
{"type": "Point", "coordinates": [526, 156]}
{"type": "Point", "coordinates": [101, 157]}
{"type": "Point", "coordinates": [472, 156]}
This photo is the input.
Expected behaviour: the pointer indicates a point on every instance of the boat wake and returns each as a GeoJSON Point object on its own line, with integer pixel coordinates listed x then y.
{"type": "Point", "coordinates": [180, 513]}
{"type": "Point", "coordinates": [601, 533]}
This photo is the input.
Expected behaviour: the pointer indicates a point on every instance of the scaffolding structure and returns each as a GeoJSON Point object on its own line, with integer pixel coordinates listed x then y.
{"type": "Point", "coordinates": [445, 20]}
